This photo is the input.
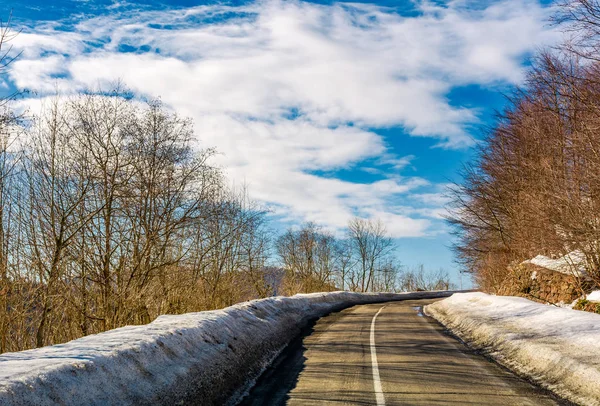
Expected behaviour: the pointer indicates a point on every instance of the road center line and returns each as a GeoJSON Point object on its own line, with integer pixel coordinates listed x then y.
{"type": "Point", "coordinates": [376, 379]}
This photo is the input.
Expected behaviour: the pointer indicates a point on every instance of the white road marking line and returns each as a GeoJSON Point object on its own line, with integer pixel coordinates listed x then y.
{"type": "Point", "coordinates": [376, 379]}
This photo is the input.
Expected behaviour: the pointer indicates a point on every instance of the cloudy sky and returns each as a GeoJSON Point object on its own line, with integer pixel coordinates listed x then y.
{"type": "Point", "coordinates": [326, 110]}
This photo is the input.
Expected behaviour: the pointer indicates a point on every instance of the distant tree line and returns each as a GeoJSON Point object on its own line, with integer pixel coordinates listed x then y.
{"type": "Point", "coordinates": [362, 261]}
{"type": "Point", "coordinates": [535, 186]}
{"type": "Point", "coordinates": [112, 214]}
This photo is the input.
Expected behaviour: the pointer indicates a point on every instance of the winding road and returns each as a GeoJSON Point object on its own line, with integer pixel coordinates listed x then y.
{"type": "Point", "coordinates": [388, 354]}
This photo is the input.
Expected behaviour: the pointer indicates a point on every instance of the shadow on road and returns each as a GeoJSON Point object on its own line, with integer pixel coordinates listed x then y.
{"type": "Point", "coordinates": [274, 385]}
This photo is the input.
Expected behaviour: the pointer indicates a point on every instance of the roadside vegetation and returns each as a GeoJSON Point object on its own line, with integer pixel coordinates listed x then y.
{"type": "Point", "coordinates": [534, 188]}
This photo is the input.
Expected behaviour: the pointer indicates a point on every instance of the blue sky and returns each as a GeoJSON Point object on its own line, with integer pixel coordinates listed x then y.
{"type": "Point", "coordinates": [326, 110]}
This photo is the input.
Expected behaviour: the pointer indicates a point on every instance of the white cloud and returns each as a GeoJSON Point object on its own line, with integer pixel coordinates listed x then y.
{"type": "Point", "coordinates": [287, 88]}
{"type": "Point", "coordinates": [438, 199]}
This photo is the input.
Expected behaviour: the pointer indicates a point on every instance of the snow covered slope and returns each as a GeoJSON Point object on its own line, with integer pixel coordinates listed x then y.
{"type": "Point", "coordinates": [203, 358]}
{"type": "Point", "coordinates": [559, 348]}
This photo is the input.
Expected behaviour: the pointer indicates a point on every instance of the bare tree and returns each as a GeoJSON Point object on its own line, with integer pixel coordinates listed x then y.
{"type": "Point", "coordinates": [371, 245]}
{"type": "Point", "coordinates": [535, 188]}
{"type": "Point", "coordinates": [580, 19]}
{"type": "Point", "coordinates": [386, 276]}
{"type": "Point", "coordinates": [168, 186]}
{"type": "Point", "coordinates": [10, 241]}
{"type": "Point", "coordinates": [345, 265]}
{"type": "Point", "coordinates": [55, 168]}
{"type": "Point", "coordinates": [419, 279]}
{"type": "Point", "coordinates": [309, 257]}
{"type": "Point", "coordinates": [7, 57]}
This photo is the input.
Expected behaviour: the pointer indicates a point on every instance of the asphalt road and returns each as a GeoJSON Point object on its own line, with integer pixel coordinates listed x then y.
{"type": "Point", "coordinates": [401, 358]}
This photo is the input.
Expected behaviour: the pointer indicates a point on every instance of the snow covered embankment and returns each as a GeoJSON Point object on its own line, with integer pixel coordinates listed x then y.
{"type": "Point", "coordinates": [558, 348]}
{"type": "Point", "coordinates": [197, 358]}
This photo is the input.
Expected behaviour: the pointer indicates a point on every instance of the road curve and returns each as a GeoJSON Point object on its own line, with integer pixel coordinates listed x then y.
{"type": "Point", "coordinates": [388, 354]}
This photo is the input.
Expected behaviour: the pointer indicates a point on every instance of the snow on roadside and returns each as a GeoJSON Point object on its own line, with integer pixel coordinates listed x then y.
{"type": "Point", "coordinates": [594, 296]}
{"type": "Point", "coordinates": [208, 357]}
{"type": "Point", "coordinates": [570, 264]}
{"type": "Point", "coordinates": [556, 347]}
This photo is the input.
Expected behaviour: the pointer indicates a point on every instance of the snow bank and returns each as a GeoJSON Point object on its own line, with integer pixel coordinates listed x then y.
{"type": "Point", "coordinates": [570, 264]}
{"type": "Point", "coordinates": [594, 296]}
{"type": "Point", "coordinates": [556, 347]}
{"type": "Point", "coordinates": [203, 358]}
